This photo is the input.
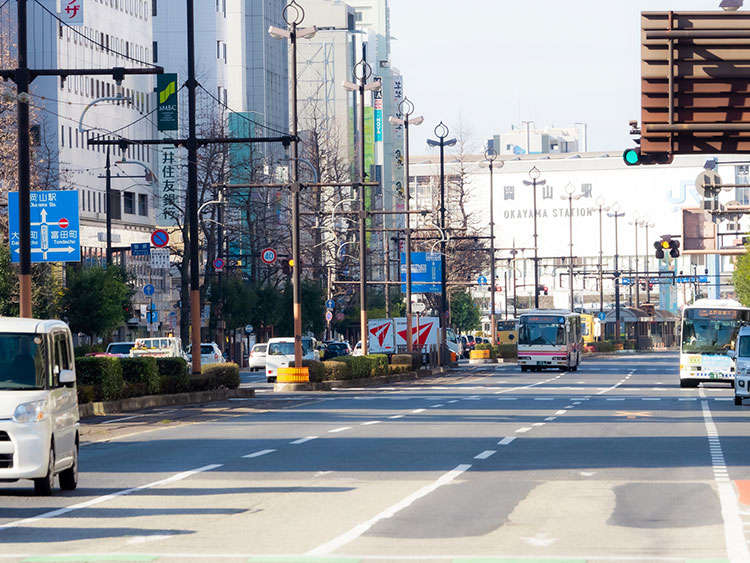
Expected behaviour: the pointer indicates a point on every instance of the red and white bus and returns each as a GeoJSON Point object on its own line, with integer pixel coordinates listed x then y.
{"type": "Point", "coordinates": [549, 339]}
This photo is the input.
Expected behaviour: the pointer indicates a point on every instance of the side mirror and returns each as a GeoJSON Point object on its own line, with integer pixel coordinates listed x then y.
{"type": "Point", "coordinates": [732, 354]}
{"type": "Point", "coordinates": [67, 376]}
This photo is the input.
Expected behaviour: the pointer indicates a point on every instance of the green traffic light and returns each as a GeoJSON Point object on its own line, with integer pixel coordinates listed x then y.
{"type": "Point", "coordinates": [631, 156]}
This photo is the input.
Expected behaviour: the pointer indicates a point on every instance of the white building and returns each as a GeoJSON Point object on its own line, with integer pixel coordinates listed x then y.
{"type": "Point", "coordinates": [527, 139]}
{"type": "Point", "coordinates": [653, 195]}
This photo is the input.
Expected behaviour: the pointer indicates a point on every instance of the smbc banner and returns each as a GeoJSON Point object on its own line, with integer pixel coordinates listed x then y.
{"type": "Point", "coordinates": [166, 109]}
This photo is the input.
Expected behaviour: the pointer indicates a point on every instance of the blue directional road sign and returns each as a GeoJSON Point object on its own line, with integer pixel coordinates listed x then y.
{"type": "Point", "coordinates": [152, 317]}
{"type": "Point", "coordinates": [140, 249]}
{"type": "Point", "coordinates": [602, 316]}
{"type": "Point", "coordinates": [426, 273]}
{"type": "Point", "coordinates": [55, 227]}
{"type": "Point", "coordinates": [148, 290]}
{"type": "Point", "coordinates": [482, 280]}
{"type": "Point", "coordinates": [330, 304]}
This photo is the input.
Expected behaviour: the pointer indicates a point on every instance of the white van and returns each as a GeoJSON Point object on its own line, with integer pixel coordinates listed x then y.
{"type": "Point", "coordinates": [39, 428]}
{"type": "Point", "coordinates": [280, 353]}
{"type": "Point", "coordinates": [741, 357]}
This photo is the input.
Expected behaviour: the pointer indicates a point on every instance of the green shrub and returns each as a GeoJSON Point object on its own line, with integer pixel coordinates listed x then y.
{"type": "Point", "coordinates": [401, 359]}
{"type": "Point", "coordinates": [86, 393]}
{"type": "Point", "coordinates": [399, 368]}
{"type": "Point", "coordinates": [490, 347]}
{"type": "Point", "coordinates": [173, 375]}
{"type": "Point", "coordinates": [315, 369]}
{"type": "Point", "coordinates": [604, 346]}
{"type": "Point", "coordinates": [361, 366]}
{"type": "Point", "coordinates": [105, 373]}
{"type": "Point", "coordinates": [142, 374]}
{"type": "Point", "coordinates": [84, 349]}
{"type": "Point", "coordinates": [336, 371]}
{"type": "Point", "coordinates": [630, 345]}
{"type": "Point", "coordinates": [222, 376]}
{"type": "Point", "coordinates": [202, 382]}
{"type": "Point", "coordinates": [506, 351]}
{"type": "Point", "coordinates": [378, 364]}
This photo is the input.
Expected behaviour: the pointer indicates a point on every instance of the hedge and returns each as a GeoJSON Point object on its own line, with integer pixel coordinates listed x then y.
{"type": "Point", "coordinates": [483, 346]}
{"type": "Point", "coordinates": [141, 376]}
{"type": "Point", "coordinates": [315, 369]}
{"type": "Point", "coordinates": [224, 376]}
{"type": "Point", "coordinates": [604, 346]}
{"type": "Point", "coordinates": [336, 371]}
{"type": "Point", "coordinates": [360, 366]}
{"type": "Point", "coordinates": [399, 368]}
{"type": "Point", "coordinates": [506, 351]}
{"type": "Point", "coordinates": [378, 364]}
{"type": "Point", "coordinates": [105, 374]}
{"type": "Point", "coordinates": [414, 359]}
{"type": "Point", "coordinates": [173, 375]}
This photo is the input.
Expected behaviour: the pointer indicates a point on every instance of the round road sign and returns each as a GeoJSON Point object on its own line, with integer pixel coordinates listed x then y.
{"type": "Point", "coordinates": [330, 304]}
{"type": "Point", "coordinates": [219, 264]}
{"type": "Point", "coordinates": [418, 307]}
{"type": "Point", "coordinates": [329, 316]}
{"type": "Point", "coordinates": [268, 255]}
{"type": "Point", "coordinates": [340, 316]}
{"type": "Point", "coordinates": [160, 238]}
{"type": "Point", "coordinates": [706, 183]}
{"type": "Point", "coordinates": [63, 223]}
{"type": "Point", "coordinates": [148, 289]}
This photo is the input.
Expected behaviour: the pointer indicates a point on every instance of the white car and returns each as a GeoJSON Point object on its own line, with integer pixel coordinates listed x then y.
{"type": "Point", "coordinates": [741, 357]}
{"type": "Point", "coordinates": [39, 428]}
{"type": "Point", "coordinates": [280, 353]}
{"type": "Point", "coordinates": [210, 354]}
{"type": "Point", "coordinates": [257, 359]}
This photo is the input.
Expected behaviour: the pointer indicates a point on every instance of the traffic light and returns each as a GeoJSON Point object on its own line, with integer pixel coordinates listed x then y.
{"type": "Point", "coordinates": [667, 243]}
{"type": "Point", "coordinates": [661, 246]}
{"type": "Point", "coordinates": [674, 248]}
{"type": "Point", "coordinates": [286, 266]}
{"type": "Point", "coordinates": [544, 289]}
{"type": "Point", "coordinates": [633, 157]}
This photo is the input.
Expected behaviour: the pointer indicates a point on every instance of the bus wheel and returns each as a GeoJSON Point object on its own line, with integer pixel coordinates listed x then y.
{"type": "Point", "coordinates": [737, 400]}
{"type": "Point", "coordinates": [687, 383]}
{"type": "Point", "coordinates": [523, 368]}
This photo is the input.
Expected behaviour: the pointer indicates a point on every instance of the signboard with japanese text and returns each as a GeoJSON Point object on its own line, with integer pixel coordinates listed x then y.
{"type": "Point", "coordinates": [377, 101]}
{"type": "Point", "coordinates": [55, 230]}
{"type": "Point", "coordinates": [166, 109]}
{"type": "Point", "coordinates": [160, 258]}
{"type": "Point", "coordinates": [425, 272]}
{"type": "Point", "coordinates": [71, 12]}
{"type": "Point", "coordinates": [169, 182]}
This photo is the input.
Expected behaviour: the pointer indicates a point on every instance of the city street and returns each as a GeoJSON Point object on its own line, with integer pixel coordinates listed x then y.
{"type": "Point", "coordinates": [612, 462]}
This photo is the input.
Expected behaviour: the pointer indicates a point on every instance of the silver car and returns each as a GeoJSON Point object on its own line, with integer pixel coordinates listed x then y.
{"type": "Point", "coordinates": [257, 358]}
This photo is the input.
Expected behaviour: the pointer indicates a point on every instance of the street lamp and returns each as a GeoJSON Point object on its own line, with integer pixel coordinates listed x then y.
{"type": "Point", "coordinates": [441, 132]}
{"type": "Point", "coordinates": [490, 155]}
{"type": "Point", "coordinates": [293, 16]}
{"type": "Point", "coordinates": [535, 181]}
{"type": "Point", "coordinates": [362, 71]}
{"type": "Point", "coordinates": [406, 108]}
{"type": "Point", "coordinates": [616, 214]}
{"type": "Point", "coordinates": [600, 204]}
{"type": "Point", "coordinates": [635, 224]}
{"type": "Point", "coordinates": [569, 195]}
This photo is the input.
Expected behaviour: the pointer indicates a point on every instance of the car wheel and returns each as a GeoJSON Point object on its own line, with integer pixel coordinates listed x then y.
{"type": "Point", "coordinates": [737, 400]}
{"type": "Point", "coordinates": [69, 477]}
{"type": "Point", "coordinates": [43, 486]}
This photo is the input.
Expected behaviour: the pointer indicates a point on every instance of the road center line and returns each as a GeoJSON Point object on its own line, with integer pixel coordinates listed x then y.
{"type": "Point", "coordinates": [258, 454]}
{"type": "Point", "coordinates": [99, 500]}
{"type": "Point", "coordinates": [360, 529]}
{"type": "Point", "coordinates": [506, 441]}
{"type": "Point", "coordinates": [336, 430]}
{"type": "Point", "coordinates": [303, 440]}
{"type": "Point", "coordinates": [371, 422]}
{"type": "Point", "coordinates": [485, 454]}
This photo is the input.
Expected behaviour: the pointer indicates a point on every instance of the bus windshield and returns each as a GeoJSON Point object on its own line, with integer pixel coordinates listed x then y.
{"type": "Point", "coordinates": [545, 334]}
{"type": "Point", "coordinates": [710, 331]}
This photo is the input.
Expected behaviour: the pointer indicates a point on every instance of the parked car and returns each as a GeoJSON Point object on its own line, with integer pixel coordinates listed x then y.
{"type": "Point", "coordinates": [210, 354]}
{"type": "Point", "coordinates": [39, 428]}
{"type": "Point", "coordinates": [357, 349]}
{"type": "Point", "coordinates": [280, 353]}
{"type": "Point", "coordinates": [257, 359]}
{"type": "Point", "coordinates": [334, 349]}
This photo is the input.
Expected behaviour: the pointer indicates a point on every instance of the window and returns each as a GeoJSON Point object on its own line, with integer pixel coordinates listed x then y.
{"type": "Point", "coordinates": [143, 205]}
{"type": "Point", "coordinates": [155, 48]}
{"type": "Point", "coordinates": [116, 210]}
{"type": "Point", "coordinates": [128, 200]}
{"type": "Point", "coordinates": [153, 8]}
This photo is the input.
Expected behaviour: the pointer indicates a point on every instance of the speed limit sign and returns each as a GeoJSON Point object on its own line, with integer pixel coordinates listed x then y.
{"type": "Point", "coordinates": [268, 256]}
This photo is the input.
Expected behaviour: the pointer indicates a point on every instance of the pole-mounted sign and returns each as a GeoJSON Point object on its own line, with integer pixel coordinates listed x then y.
{"type": "Point", "coordinates": [166, 109]}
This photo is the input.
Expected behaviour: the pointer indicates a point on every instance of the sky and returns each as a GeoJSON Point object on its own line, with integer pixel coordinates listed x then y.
{"type": "Point", "coordinates": [486, 65]}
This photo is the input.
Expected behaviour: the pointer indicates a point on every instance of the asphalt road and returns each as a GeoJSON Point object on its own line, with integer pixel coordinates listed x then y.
{"type": "Point", "coordinates": [613, 462]}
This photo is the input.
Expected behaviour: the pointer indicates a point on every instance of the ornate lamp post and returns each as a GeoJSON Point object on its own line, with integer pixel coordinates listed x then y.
{"type": "Point", "coordinates": [490, 155]}
{"type": "Point", "coordinates": [600, 204]}
{"type": "Point", "coordinates": [441, 132]}
{"type": "Point", "coordinates": [535, 181]}
{"type": "Point", "coordinates": [406, 109]}
{"type": "Point", "coordinates": [616, 214]}
{"type": "Point", "coordinates": [637, 284]}
{"type": "Point", "coordinates": [647, 224]}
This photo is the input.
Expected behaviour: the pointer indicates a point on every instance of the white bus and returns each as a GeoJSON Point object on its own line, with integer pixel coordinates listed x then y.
{"type": "Point", "coordinates": [549, 339]}
{"type": "Point", "coordinates": [709, 329]}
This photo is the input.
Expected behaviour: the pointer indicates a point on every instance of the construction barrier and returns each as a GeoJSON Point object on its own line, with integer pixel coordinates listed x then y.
{"type": "Point", "coordinates": [479, 355]}
{"type": "Point", "coordinates": [292, 375]}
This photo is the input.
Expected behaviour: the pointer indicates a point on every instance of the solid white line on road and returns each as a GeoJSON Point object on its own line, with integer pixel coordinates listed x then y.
{"type": "Point", "coordinates": [568, 406]}
{"type": "Point", "coordinates": [734, 535]}
{"type": "Point", "coordinates": [611, 399]}
{"type": "Point", "coordinates": [342, 429]}
{"type": "Point", "coordinates": [371, 422]}
{"type": "Point", "coordinates": [453, 401]}
{"type": "Point", "coordinates": [544, 399]}
{"type": "Point", "coordinates": [417, 411]}
{"type": "Point", "coordinates": [550, 418]}
{"type": "Point", "coordinates": [507, 398]}
{"type": "Point", "coordinates": [123, 419]}
{"type": "Point", "coordinates": [258, 454]}
{"type": "Point", "coordinates": [99, 500]}
{"type": "Point", "coordinates": [506, 441]}
{"type": "Point", "coordinates": [523, 430]}
{"type": "Point", "coordinates": [360, 529]}
{"type": "Point", "coordinates": [651, 399]}
{"type": "Point", "coordinates": [437, 406]}
{"type": "Point", "coordinates": [395, 416]}
{"type": "Point", "coordinates": [560, 412]}
{"type": "Point", "coordinates": [485, 454]}
{"type": "Point", "coordinates": [303, 440]}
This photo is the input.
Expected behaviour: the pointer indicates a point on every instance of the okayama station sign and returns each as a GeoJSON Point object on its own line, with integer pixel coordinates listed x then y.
{"type": "Point", "coordinates": [557, 212]}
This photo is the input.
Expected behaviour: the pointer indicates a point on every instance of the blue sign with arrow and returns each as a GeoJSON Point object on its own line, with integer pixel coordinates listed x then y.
{"type": "Point", "coordinates": [426, 272]}
{"type": "Point", "coordinates": [55, 226]}
{"type": "Point", "coordinates": [148, 290]}
{"type": "Point", "coordinates": [330, 304]}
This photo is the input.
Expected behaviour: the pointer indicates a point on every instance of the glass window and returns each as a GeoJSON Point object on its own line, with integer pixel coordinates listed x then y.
{"type": "Point", "coordinates": [128, 201]}
{"type": "Point", "coordinates": [22, 361]}
{"type": "Point", "coordinates": [143, 204]}
{"type": "Point", "coordinates": [281, 349]}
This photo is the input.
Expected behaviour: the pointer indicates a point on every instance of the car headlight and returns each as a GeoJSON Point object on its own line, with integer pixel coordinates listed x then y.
{"type": "Point", "coordinates": [741, 382]}
{"type": "Point", "coordinates": [30, 412]}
